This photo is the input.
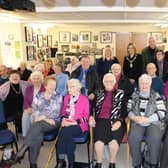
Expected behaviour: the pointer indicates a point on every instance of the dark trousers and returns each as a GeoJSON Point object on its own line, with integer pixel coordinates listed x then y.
{"type": "Point", "coordinates": [164, 153]}
{"type": "Point", "coordinates": [66, 144]}
{"type": "Point", "coordinates": [34, 138]}
{"type": "Point", "coordinates": [153, 137]}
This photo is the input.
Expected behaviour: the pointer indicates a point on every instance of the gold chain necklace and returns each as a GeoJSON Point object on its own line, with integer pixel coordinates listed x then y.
{"type": "Point", "coordinates": [131, 61]}
{"type": "Point", "coordinates": [13, 88]}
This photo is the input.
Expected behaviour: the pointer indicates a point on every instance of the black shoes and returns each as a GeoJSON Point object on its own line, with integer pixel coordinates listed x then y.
{"type": "Point", "coordinates": [111, 165]}
{"type": "Point", "coordinates": [98, 165]}
{"type": "Point", "coordinates": [33, 165]}
{"type": "Point", "coordinates": [61, 164]}
{"type": "Point", "coordinates": [138, 166]}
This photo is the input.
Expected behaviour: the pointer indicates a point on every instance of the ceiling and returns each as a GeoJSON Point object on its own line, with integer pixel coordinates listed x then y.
{"type": "Point", "coordinates": [94, 11]}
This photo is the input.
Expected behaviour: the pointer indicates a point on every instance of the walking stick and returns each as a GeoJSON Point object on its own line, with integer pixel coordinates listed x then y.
{"type": "Point", "coordinates": [52, 151]}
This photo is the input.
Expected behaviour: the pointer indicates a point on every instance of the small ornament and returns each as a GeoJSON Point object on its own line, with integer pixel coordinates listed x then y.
{"type": "Point", "coordinates": [131, 65]}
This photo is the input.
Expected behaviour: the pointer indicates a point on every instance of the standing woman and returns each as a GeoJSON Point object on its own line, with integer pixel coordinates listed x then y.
{"type": "Point", "coordinates": [11, 93]}
{"type": "Point", "coordinates": [104, 63]}
{"type": "Point", "coordinates": [75, 114]}
{"type": "Point", "coordinates": [132, 66]}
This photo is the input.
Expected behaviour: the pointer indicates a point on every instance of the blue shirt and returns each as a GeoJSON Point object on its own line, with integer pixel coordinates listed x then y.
{"type": "Point", "coordinates": [62, 80]}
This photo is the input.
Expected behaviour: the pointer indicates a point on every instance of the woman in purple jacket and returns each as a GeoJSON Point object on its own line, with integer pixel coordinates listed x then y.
{"type": "Point", "coordinates": [75, 114]}
{"type": "Point", "coordinates": [31, 92]}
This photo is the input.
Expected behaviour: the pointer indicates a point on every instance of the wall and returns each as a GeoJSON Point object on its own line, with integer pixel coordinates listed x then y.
{"type": "Point", "coordinates": [11, 41]}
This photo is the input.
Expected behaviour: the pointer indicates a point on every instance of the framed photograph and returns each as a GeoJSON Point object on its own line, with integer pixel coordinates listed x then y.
{"type": "Point", "coordinates": [64, 37]}
{"type": "Point", "coordinates": [29, 34]}
{"type": "Point", "coordinates": [85, 37]}
{"type": "Point", "coordinates": [158, 36]}
{"type": "Point", "coordinates": [106, 37]}
{"type": "Point", "coordinates": [65, 48]}
{"type": "Point", "coordinates": [95, 38]}
{"type": "Point", "coordinates": [49, 41]}
{"type": "Point", "coordinates": [74, 37]}
{"type": "Point", "coordinates": [39, 40]}
{"type": "Point", "coordinates": [30, 53]}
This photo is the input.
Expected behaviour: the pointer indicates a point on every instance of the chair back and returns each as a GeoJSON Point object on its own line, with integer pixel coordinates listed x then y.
{"type": "Point", "coordinates": [2, 116]}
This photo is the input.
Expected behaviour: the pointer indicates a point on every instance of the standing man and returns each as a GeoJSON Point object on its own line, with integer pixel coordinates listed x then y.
{"type": "Point", "coordinates": [87, 76]}
{"type": "Point", "coordinates": [149, 52]}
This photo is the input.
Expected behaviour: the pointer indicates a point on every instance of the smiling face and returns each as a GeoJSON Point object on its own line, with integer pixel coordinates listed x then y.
{"type": "Point", "coordinates": [85, 63]}
{"type": "Point", "coordinates": [109, 81]}
{"type": "Point", "coordinates": [116, 69]}
{"type": "Point", "coordinates": [14, 78]}
{"type": "Point", "coordinates": [50, 86]}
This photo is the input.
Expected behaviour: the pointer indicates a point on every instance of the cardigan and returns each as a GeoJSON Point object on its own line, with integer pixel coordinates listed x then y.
{"type": "Point", "coordinates": [28, 97]}
{"type": "Point", "coordinates": [82, 111]}
{"type": "Point", "coordinates": [4, 89]}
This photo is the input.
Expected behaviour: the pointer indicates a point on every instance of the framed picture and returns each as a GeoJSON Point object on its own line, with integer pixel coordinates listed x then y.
{"type": "Point", "coordinates": [158, 36]}
{"type": "Point", "coordinates": [65, 48]}
{"type": "Point", "coordinates": [85, 37]}
{"type": "Point", "coordinates": [30, 53]}
{"type": "Point", "coordinates": [74, 37]}
{"type": "Point", "coordinates": [49, 41]}
{"type": "Point", "coordinates": [64, 37]}
{"type": "Point", "coordinates": [39, 40]}
{"type": "Point", "coordinates": [95, 38]}
{"type": "Point", "coordinates": [106, 37]}
{"type": "Point", "coordinates": [29, 34]}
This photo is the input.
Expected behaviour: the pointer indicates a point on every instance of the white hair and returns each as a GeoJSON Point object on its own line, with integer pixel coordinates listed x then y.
{"type": "Point", "coordinates": [109, 75]}
{"type": "Point", "coordinates": [76, 82]}
{"type": "Point", "coordinates": [37, 73]}
{"type": "Point", "coordinates": [145, 77]}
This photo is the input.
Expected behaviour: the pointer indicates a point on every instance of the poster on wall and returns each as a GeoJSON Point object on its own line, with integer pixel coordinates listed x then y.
{"type": "Point", "coordinates": [17, 49]}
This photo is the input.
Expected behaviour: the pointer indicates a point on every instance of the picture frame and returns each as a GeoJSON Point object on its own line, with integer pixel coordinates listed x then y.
{"type": "Point", "coordinates": [85, 37]}
{"type": "Point", "coordinates": [28, 34]}
{"type": "Point", "coordinates": [95, 38]}
{"type": "Point", "coordinates": [158, 36]}
{"type": "Point", "coordinates": [30, 50]}
{"type": "Point", "coordinates": [49, 40]}
{"type": "Point", "coordinates": [106, 37]}
{"type": "Point", "coordinates": [74, 37]}
{"type": "Point", "coordinates": [39, 40]}
{"type": "Point", "coordinates": [64, 37]}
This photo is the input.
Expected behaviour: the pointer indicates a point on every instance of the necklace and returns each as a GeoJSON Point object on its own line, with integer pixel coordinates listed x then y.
{"type": "Point", "coordinates": [131, 61]}
{"type": "Point", "coordinates": [13, 88]}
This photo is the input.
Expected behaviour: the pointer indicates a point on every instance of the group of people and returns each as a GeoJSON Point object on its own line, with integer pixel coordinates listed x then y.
{"type": "Point", "coordinates": [100, 96]}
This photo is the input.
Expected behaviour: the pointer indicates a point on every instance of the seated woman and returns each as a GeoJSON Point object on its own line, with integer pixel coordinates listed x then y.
{"type": "Point", "coordinates": [110, 120]}
{"type": "Point", "coordinates": [75, 114]}
{"type": "Point", "coordinates": [47, 106]}
{"type": "Point", "coordinates": [147, 112]}
{"type": "Point", "coordinates": [31, 92]}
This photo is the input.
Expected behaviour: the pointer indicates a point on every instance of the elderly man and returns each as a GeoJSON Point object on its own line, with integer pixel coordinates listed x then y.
{"type": "Point", "coordinates": [149, 52]}
{"type": "Point", "coordinates": [157, 82]}
{"type": "Point", "coordinates": [147, 112]}
{"type": "Point", "coordinates": [24, 72]}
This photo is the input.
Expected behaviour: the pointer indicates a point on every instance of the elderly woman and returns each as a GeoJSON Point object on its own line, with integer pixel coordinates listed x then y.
{"type": "Point", "coordinates": [75, 114]}
{"type": "Point", "coordinates": [11, 93]}
{"type": "Point", "coordinates": [147, 112]}
{"type": "Point", "coordinates": [31, 92]}
{"type": "Point", "coordinates": [47, 106]}
{"type": "Point", "coordinates": [104, 63]}
{"type": "Point", "coordinates": [109, 122]}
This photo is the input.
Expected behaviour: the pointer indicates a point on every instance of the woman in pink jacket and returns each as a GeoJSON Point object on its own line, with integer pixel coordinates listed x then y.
{"type": "Point", "coordinates": [75, 114]}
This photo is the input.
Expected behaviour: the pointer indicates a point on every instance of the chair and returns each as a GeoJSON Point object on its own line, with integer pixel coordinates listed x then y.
{"type": "Point", "coordinates": [6, 136]}
{"type": "Point", "coordinates": [12, 119]}
{"type": "Point", "coordinates": [82, 139]}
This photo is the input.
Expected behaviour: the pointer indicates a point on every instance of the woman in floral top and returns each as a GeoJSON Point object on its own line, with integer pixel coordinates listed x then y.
{"type": "Point", "coordinates": [46, 116]}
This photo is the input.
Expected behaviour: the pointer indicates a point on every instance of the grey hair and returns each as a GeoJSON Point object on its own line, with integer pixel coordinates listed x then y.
{"type": "Point", "coordinates": [109, 75]}
{"type": "Point", "coordinates": [38, 73]}
{"type": "Point", "coordinates": [145, 77]}
{"type": "Point", "coordinates": [76, 82]}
